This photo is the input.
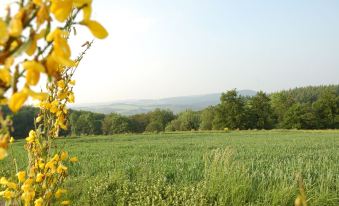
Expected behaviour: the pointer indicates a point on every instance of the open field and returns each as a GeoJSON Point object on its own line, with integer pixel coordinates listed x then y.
{"type": "Point", "coordinates": [235, 168]}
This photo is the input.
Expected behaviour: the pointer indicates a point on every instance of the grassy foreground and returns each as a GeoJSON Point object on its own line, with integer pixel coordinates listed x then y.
{"type": "Point", "coordinates": [235, 168]}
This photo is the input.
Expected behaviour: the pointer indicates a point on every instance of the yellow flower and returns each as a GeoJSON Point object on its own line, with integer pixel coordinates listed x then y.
{"type": "Point", "coordinates": [96, 28]}
{"type": "Point", "coordinates": [51, 166]}
{"type": "Point", "coordinates": [86, 8]}
{"type": "Point", "coordinates": [61, 51]}
{"type": "Point", "coordinates": [72, 82]}
{"type": "Point", "coordinates": [41, 164]}
{"type": "Point", "coordinates": [33, 71]}
{"type": "Point", "coordinates": [64, 155]}
{"type": "Point", "coordinates": [4, 141]}
{"type": "Point", "coordinates": [12, 140]}
{"type": "Point", "coordinates": [52, 66]}
{"type": "Point", "coordinates": [15, 25]}
{"type": "Point", "coordinates": [12, 185]}
{"type": "Point", "coordinates": [21, 176]}
{"type": "Point", "coordinates": [3, 181]}
{"type": "Point", "coordinates": [59, 192]}
{"type": "Point", "coordinates": [3, 153]}
{"type": "Point", "coordinates": [3, 32]}
{"type": "Point", "coordinates": [54, 106]}
{"type": "Point", "coordinates": [62, 95]}
{"type": "Point", "coordinates": [7, 194]}
{"type": "Point", "coordinates": [17, 100]}
{"type": "Point", "coordinates": [39, 178]}
{"type": "Point", "coordinates": [61, 84]}
{"type": "Point", "coordinates": [33, 44]}
{"type": "Point", "coordinates": [5, 76]}
{"type": "Point", "coordinates": [37, 2]}
{"type": "Point", "coordinates": [56, 158]}
{"type": "Point", "coordinates": [28, 196]}
{"type": "Point", "coordinates": [80, 3]}
{"type": "Point", "coordinates": [61, 9]}
{"type": "Point", "coordinates": [66, 202]}
{"type": "Point", "coordinates": [71, 98]}
{"type": "Point", "coordinates": [87, 11]}
{"type": "Point", "coordinates": [61, 169]}
{"type": "Point", "coordinates": [42, 14]}
{"type": "Point", "coordinates": [34, 65]}
{"type": "Point", "coordinates": [9, 62]}
{"type": "Point", "coordinates": [32, 77]}
{"type": "Point", "coordinates": [38, 119]}
{"type": "Point", "coordinates": [32, 47]}
{"type": "Point", "coordinates": [38, 202]}
{"type": "Point", "coordinates": [74, 159]}
{"type": "Point", "coordinates": [31, 137]}
{"type": "Point", "coordinates": [36, 95]}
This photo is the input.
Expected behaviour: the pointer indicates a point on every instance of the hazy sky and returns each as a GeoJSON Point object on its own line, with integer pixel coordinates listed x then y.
{"type": "Point", "coordinates": [181, 47]}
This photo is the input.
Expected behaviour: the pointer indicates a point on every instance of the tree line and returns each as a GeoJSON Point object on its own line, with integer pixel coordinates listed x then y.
{"type": "Point", "coordinates": [300, 108]}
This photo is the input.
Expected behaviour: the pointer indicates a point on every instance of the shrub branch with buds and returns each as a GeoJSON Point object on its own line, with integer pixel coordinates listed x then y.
{"type": "Point", "coordinates": [34, 37]}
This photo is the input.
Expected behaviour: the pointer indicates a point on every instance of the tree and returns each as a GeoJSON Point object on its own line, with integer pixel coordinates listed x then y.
{"type": "Point", "coordinates": [174, 125]}
{"type": "Point", "coordinates": [139, 122]}
{"type": "Point", "coordinates": [189, 120]}
{"type": "Point", "coordinates": [206, 118]}
{"type": "Point", "coordinates": [23, 121]}
{"type": "Point", "coordinates": [159, 118]}
{"type": "Point", "coordinates": [154, 126]}
{"type": "Point", "coordinates": [230, 111]}
{"type": "Point", "coordinates": [88, 123]}
{"type": "Point", "coordinates": [115, 124]}
{"type": "Point", "coordinates": [326, 108]}
{"type": "Point", "coordinates": [280, 103]}
{"type": "Point", "coordinates": [300, 116]}
{"type": "Point", "coordinates": [261, 111]}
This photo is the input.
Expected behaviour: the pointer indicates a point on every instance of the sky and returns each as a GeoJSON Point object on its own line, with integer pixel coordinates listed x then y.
{"type": "Point", "coordinates": [164, 48]}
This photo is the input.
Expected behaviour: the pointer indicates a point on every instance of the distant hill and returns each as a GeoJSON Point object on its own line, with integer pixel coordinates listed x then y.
{"type": "Point", "coordinates": [176, 104]}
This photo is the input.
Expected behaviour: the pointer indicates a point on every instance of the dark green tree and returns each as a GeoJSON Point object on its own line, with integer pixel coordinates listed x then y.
{"type": "Point", "coordinates": [207, 117]}
{"type": "Point", "coordinates": [326, 108]}
{"type": "Point", "coordinates": [300, 116]}
{"type": "Point", "coordinates": [280, 103]}
{"type": "Point", "coordinates": [260, 111]}
{"type": "Point", "coordinates": [115, 124]}
{"type": "Point", "coordinates": [189, 120]}
{"type": "Point", "coordinates": [230, 111]}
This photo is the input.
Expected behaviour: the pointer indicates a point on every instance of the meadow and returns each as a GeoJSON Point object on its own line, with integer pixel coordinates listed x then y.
{"type": "Point", "coordinates": [200, 168]}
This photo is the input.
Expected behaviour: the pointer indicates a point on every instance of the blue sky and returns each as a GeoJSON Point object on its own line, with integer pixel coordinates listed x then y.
{"type": "Point", "coordinates": [182, 47]}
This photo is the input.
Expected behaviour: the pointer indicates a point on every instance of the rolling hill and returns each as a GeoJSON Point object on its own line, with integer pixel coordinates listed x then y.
{"type": "Point", "coordinates": [176, 104]}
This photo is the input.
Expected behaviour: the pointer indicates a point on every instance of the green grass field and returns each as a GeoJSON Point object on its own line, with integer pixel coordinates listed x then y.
{"type": "Point", "coordinates": [235, 168]}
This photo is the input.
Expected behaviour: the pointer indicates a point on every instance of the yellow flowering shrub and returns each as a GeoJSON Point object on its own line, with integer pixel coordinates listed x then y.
{"type": "Point", "coordinates": [34, 37]}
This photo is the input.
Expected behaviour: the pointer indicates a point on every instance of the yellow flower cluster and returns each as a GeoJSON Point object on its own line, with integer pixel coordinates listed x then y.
{"type": "Point", "coordinates": [33, 42]}
{"type": "Point", "coordinates": [50, 58]}
{"type": "Point", "coordinates": [41, 184]}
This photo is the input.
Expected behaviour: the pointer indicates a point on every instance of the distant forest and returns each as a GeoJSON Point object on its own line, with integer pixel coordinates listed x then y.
{"type": "Point", "coordinates": [312, 107]}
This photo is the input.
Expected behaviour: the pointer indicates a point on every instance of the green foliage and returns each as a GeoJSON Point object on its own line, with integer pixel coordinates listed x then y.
{"type": "Point", "coordinates": [174, 125]}
{"type": "Point", "coordinates": [207, 117]}
{"type": "Point", "coordinates": [154, 126]}
{"type": "Point", "coordinates": [260, 111]}
{"type": "Point", "coordinates": [115, 124]}
{"type": "Point", "coordinates": [23, 121]}
{"type": "Point", "coordinates": [186, 121]}
{"type": "Point", "coordinates": [189, 120]}
{"type": "Point", "coordinates": [326, 109]}
{"type": "Point", "coordinates": [139, 122]}
{"type": "Point", "coordinates": [85, 123]}
{"type": "Point", "coordinates": [230, 111]}
{"type": "Point", "coordinates": [300, 108]}
{"type": "Point", "coordinates": [300, 116]}
{"type": "Point", "coordinates": [159, 118]}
